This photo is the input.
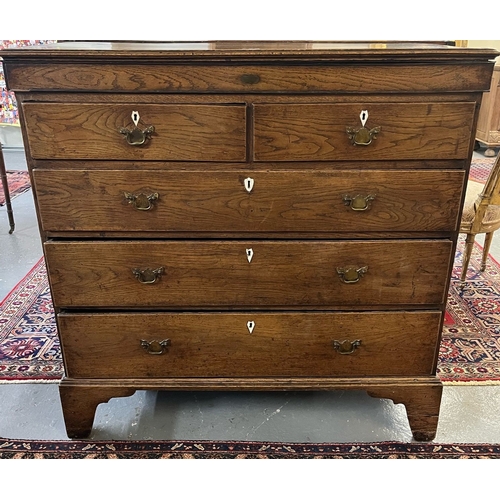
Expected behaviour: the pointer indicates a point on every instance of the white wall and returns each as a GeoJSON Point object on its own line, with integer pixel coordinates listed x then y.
{"type": "Point", "coordinates": [490, 44]}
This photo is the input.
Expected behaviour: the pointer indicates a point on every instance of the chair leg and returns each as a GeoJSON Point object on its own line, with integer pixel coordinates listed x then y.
{"type": "Point", "coordinates": [469, 245]}
{"type": "Point", "coordinates": [486, 249]}
{"type": "Point", "coordinates": [3, 175]}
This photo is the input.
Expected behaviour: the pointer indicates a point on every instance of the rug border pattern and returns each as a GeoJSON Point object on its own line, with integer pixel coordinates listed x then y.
{"type": "Point", "coordinates": [49, 370]}
{"type": "Point", "coordinates": [23, 449]}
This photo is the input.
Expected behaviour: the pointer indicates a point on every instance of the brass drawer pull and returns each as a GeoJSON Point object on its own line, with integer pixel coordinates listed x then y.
{"type": "Point", "coordinates": [156, 347]}
{"type": "Point", "coordinates": [142, 201]}
{"type": "Point", "coordinates": [351, 274]}
{"type": "Point", "coordinates": [136, 136]}
{"type": "Point", "coordinates": [359, 202]}
{"type": "Point", "coordinates": [148, 276]}
{"type": "Point", "coordinates": [250, 79]}
{"type": "Point", "coordinates": [346, 346]}
{"type": "Point", "coordinates": [362, 136]}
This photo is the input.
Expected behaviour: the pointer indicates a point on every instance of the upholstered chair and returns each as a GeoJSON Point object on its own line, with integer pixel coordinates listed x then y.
{"type": "Point", "coordinates": [481, 215]}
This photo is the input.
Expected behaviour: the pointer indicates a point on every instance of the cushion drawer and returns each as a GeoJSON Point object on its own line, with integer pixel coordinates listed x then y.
{"type": "Point", "coordinates": [193, 132]}
{"type": "Point", "coordinates": [195, 274]}
{"type": "Point", "coordinates": [245, 78]}
{"type": "Point", "coordinates": [217, 201]}
{"type": "Point", "coordinates": [311, 132]}
{"type": "Point", "coordinates": [224, 345]}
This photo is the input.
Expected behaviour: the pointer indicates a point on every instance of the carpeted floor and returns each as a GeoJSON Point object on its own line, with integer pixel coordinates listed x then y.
{"type": "Point", "coordinates": [480, 169]}
{"type": "Point", "coordinates": [469, 354]}
{"type": "Point", "coordinates": [18, 182]}
{"type": "Point", "coordinates": [470, 346]}
{"type": "Point", "coordinates": [30, 449]}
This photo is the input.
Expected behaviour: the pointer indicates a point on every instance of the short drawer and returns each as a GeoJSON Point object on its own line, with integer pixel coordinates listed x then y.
{"type": "Point", "coordinates": [249, 201]}
{"type": "Point", "coordinates": [310, 132]}
{"type": "Point", "coordinates": [245, 274]}
{"type": "Point", "coordinates": [195, 132]}
{"type": "Point", "coordinates": [249, 345]}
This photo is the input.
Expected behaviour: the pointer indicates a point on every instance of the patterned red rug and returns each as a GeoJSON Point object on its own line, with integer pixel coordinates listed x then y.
{"type": "Point", "coordinates": [29, 347]}
{"type": "Point", "coordinates": [470, 348]}
{"type": "Point", "coordinates": [18, 182]}
{"type": "Point", "coordinates": [480, 169]}
{"type": "Point", "coordinates": [30, 449]}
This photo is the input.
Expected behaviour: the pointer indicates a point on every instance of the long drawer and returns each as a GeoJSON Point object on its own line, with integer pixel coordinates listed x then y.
{"type": "Point", "coordinates": [249, 345]}
{"type": "Point", "coordinates": [312, 132]}
{"type": "Point", "coordinates": [249, 201]}
{"type": "Point", "coordinates": [245, 274]}
{"type": "Point", "coordinates": [192, 132]}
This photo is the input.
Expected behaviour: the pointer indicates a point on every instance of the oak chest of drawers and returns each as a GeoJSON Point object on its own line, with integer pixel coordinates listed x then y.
{"type": "Point", "coordinates": [249, 216]}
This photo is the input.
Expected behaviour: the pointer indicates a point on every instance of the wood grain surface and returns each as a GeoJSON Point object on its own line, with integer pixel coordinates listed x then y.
{"type": "Point", "coordinates": [318, 131]}
{"type": "Point", "coordinates": [220, 345]}
{"type": "Point", "coordinates": [230, 78]}
{"type": "Point", "coordinates": [216, 201]}
{"type": "Point", "coordinates": [218, 274]}
{"type": "Point", "coordinates": [92, 131]}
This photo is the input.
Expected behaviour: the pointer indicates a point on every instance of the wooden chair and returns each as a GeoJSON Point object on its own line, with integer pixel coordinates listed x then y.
{"type": "Point", "coordinates": [3, 176]}
{"type": "Point", "coordinates": [481, 214]}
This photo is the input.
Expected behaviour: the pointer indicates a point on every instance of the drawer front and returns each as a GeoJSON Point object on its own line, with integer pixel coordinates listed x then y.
{"type": "Point", "coordinates": [248, 78]}
{"type": "Point", "coordinates": [244, 274]}
{"type": "Point", "coordinates": [310, 132]}
{"type": "Point", "coordinates": [96, 131]}
{"type": "Point", "coordinates": [291, 201]}
{"type": "Point", "coordinates": [249, 345]}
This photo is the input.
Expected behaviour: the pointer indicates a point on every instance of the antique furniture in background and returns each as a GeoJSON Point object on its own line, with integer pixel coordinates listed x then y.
{"type": "Point", "coordinates": [481, 214]}
{"type": "Point", "coordinates": [488, 125]}
{"type": "Point", "coordinates": [250, 215]}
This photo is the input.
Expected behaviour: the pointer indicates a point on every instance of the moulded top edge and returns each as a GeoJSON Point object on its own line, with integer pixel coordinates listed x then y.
{"type": "Point", "coordinates": [250, 49]}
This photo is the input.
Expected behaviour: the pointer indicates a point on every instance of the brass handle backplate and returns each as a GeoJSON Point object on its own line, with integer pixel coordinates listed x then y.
{"type": "Point", "coordinates": [142, 201]}
{"type": "Point", "coordinates": [346, 346]}
{"type": "Point", "coordinates": [135, 136]}
{"type": "Point", "coordinates": [362, 136]}
{"type": "Point", "coordinates": [351, 274]}
{"type": "Point", "coordinates": [360, 202]}
{"type": "Point", "coordinates": [156, 347]}
{"type": "Point", "coordinates": [148, 276]}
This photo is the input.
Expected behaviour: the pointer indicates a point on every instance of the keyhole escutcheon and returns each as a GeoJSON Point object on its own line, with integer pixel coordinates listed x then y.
{"type": "Point", "coordinates": [249, 253]}
{"type": "Point", "coordinates": [249, 183]}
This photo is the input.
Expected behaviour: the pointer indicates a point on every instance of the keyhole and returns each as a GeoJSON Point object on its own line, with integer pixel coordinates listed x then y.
{"type": "Point", "coordinates": [135, 117]}
{"type": "Point", "coordinates": [249, 182]}
{"type": "Point", "coordinates": [250, 326]}
{"type": "Point", "coordinates": [363, 117]}
{"type": "Point", "coordinates": [249, 254]}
